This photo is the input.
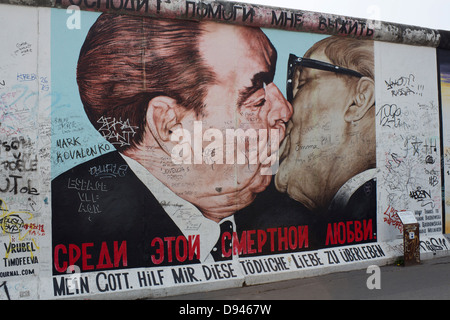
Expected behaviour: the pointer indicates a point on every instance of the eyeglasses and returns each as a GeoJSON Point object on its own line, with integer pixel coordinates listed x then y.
{"type": "Point", "coordinates": [295, 61]}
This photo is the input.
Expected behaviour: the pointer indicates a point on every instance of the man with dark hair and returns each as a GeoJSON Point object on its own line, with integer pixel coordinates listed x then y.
{"type": "Point", "coordinates": [142, 82]}
{"type": "Point", "coordinates": [126, 61]}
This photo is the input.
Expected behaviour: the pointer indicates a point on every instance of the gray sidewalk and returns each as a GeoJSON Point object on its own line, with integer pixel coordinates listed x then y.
{"type": "Point", "coordinates": [428, 281]}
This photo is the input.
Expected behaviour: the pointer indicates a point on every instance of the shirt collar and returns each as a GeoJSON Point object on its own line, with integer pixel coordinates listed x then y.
{"type": "Point", "coordinates": [346, 191]}
{"type": "Point", "coordinates": [184, 214]}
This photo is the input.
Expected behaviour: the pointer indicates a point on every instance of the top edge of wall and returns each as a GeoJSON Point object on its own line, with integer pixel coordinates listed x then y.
{"type": "Point", "coordinates": [242, 13]}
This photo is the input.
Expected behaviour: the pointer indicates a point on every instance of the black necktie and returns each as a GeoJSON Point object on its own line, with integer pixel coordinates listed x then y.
{"type": "Point", "coordinates": [216, 252]}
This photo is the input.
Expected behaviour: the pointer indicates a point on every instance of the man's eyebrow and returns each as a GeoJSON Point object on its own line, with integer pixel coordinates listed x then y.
{"type": "Point", "coordinates": [258, 82]}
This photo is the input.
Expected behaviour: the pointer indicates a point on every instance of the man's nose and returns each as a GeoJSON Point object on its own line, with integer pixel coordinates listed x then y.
{"type": "Point", "coordinates": [280, 108]}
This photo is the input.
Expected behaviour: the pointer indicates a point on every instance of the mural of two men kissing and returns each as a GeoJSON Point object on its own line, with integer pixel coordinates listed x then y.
{"type": "Point", "coordinates": [172, 187]}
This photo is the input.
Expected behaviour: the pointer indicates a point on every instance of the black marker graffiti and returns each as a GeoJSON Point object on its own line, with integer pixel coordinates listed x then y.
{"type": "Point", "coordinates": [6, 289]}
{"type": "Point", "coordinates": [389, 116]}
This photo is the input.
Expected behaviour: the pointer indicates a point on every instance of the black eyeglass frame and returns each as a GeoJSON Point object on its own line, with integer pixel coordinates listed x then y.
{"type": "Point", "coordinates": [295, 61]}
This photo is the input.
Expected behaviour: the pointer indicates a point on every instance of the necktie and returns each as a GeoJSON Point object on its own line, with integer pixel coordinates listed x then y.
{"type": "Point", "coordinates": [216, 252]}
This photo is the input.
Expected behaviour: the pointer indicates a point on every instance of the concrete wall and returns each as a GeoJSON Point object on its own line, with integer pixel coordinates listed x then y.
{"type": "Point", "coordinates": [97, 203]}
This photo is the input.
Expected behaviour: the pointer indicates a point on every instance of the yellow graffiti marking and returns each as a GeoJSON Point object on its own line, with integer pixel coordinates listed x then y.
{"type": "Point", "coordinates": [4, 220]}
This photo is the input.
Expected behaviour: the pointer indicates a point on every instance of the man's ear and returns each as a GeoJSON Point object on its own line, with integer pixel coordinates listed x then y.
{"type": "Point", "coordinates": [363, 100]}
{"type": "Point", "coordinates": [162, 119]}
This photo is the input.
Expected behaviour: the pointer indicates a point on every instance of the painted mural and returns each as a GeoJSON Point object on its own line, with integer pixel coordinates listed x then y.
{"type": "Point", "coordinates": [153, 154]}
{"type": "Point", "coordinates": [170, 187]}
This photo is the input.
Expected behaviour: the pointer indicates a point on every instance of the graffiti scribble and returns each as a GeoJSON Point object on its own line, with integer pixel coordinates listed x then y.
{"type": "Point", "coordinates": [117, 132]}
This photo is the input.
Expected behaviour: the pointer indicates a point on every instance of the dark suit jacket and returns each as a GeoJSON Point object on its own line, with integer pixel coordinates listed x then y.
{"type": "Point", "coordinates": [272, 209]}
{"type": "Point", "coordinates": [100, 205]}
{"type": "Point", "coordinates": [361, 206]}
{"type": "Point", "coordinates": [275, 210]}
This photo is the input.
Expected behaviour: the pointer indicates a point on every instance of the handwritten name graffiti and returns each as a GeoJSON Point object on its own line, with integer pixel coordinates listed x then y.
{"type": "Point", "coordinates": [88, 203]}
{"type": "Point", "coordinates": [13, 224]}
{"type": "Point", "coordinates": [390, 116]}
{"type": "Point", "coordinates": [20, 165]}
{"type": "Point", "coordinates": [20, 153]}
{"type": "Point", "coordinates": [433, 178]}
{"type": "Point", "coordinates": [73, 149]}
{"type": "Point", "coordinates": [419, 194]}
{"type": "Point", "coordinates": [86, 185]}
{"type": "Point", "coordinates": [391, 218]}
{"type": "Point", "coordinates": [108, 171]}
{"type": "Point", "coordinates": [430, 147]}
{"type": "Point", "coordinates": [26, 77]}
{"type": "Point", "coordinates": [18, 107]}
{"type": "Point", "coordinates": [399, 176]}
{"type": "Point", "coordinates": [34, 229]}
{"type": "Point", "coordinates": [65, 125]}
{"type": "Point", "coordinates": [422, 196]}
{"type": "Point", "coordinates": [419, 147]}
{"type": "Point", "coordinates": [117, 131]}
{"type": "Point", "coordinates": [81, 152]}
{"type": "Point", "coordinates": [434, 245]}
{"type": "Point", "coordinates": [68, 142]}
{"type": "Point", "coordinates": [20, 248]}
{"type": "Point", "coordinates": [17, 185]}
{"type": "Point", "coordinates": [393, 161]}
{"type": "Point", "coordinates": [89, 193]}
{"type": "Point", "coordinates": [23, 48]}
{"type": "Point", "coordinates": [44, 84]}
{"type": "Point", "coordinates": [404, 86]}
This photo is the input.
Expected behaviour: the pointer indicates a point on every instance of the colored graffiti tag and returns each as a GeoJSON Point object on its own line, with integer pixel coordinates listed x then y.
{"type": "Point", "coordinates": [16, 223]}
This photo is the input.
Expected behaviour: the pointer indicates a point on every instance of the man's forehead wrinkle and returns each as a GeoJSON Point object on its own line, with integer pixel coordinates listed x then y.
{"type": "Point", "coordinates": [246, 41]}
{"type": "Point", "coordinates": [219, 47]}
{"type": "Point", "coordinates": [241, 57]}
{"type": "Point", "coordinates": [257, 82]}
{"type": "Point", "coordinates": [261, 44]}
